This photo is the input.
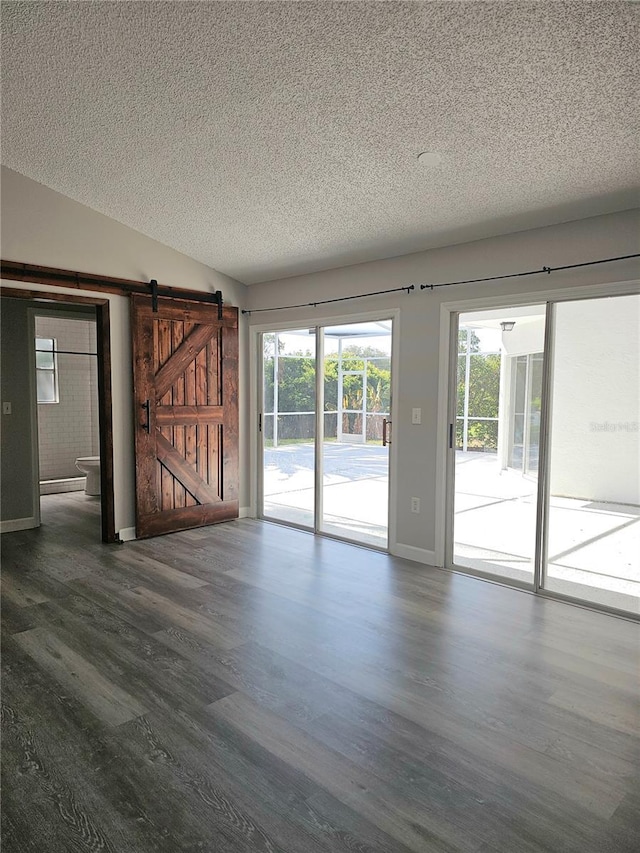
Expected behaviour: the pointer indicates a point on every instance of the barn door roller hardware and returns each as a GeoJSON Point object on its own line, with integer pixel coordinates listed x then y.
{"type": "Point", "coordinates": [153, 286]}
{"type": "Point", "coordinates": [157, 290]}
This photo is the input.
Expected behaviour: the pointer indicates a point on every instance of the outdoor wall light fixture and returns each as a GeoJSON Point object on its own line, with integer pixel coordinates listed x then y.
{"type": "Point", "coordinates": [507, 325]}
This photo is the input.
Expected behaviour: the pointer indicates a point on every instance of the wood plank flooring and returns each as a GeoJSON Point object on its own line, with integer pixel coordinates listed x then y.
{"type": "Point", "coordinates": [246, 687]}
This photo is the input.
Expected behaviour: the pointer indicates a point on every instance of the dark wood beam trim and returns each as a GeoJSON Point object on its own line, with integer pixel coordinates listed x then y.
{"type": "Point", "coordinates": [18, 271]}
{"type": "Point", "coordinates": [48, 296]}
{"type": "Point", "coordinates": [105, 421]}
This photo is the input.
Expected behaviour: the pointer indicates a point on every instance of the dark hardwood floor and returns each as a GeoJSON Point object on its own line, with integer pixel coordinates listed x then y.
{"type": "Point", "coordinates": [246, 687]}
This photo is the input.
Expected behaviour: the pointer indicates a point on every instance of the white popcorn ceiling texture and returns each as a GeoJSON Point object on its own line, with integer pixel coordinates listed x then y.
{"type": "Point", "coordinates": [271, 139]}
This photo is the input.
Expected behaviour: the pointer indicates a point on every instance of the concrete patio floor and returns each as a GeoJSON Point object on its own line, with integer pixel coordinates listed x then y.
{"type": "Point", "coordinates": [356, 494]}
{"type": "Point", "coordinates": [594, 548]}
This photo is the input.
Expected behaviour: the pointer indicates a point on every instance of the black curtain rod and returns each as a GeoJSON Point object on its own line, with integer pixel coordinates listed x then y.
{"type": "Point", "coordinates": [547, 270]}
{"type": "Point", "coordinates": [409, 287]}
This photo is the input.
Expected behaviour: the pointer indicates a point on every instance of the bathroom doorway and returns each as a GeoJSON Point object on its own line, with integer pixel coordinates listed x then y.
{"type": "Point", "coordinates": [97, 509]}
{"type": "Point", "coordinates": [66, 368]}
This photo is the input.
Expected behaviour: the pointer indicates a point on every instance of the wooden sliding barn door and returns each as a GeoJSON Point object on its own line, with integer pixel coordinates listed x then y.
{"type": "Point", "coordinates": [185, 366]}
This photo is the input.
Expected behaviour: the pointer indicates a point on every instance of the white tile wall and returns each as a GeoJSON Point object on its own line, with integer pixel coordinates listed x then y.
{"type": "Point", "coordinates": [69, 428]}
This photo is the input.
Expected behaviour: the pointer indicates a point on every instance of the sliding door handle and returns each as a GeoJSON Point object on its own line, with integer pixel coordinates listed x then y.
{"type": "Point", "coordinates": [146, 426]}
{"type": "Point", "coordinates": [386, 438]}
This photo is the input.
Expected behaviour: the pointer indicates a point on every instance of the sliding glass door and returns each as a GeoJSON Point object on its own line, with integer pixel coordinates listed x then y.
{"type": "Point", "coordinates": [496, 436]}
{"type": "Point", "coordinates": [551, 391]}
{"type": "Point", "coordinates": [288, 423]}
{"type": "Point", "coordinates": [325, 421]}
{"type": "Point", "coordinates": [593, 513]}
{"type": "Point", "coordinates": [355, 461]}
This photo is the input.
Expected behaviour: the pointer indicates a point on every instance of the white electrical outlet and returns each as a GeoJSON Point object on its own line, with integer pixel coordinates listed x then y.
{"type": "Point", "coordinates": [415, 505]}
{"type": "Point", "coordinates": [416, 416]}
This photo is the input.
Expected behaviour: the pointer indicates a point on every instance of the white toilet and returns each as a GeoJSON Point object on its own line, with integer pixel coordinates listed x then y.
{"type": "Point", "coordinates": [90, 465]}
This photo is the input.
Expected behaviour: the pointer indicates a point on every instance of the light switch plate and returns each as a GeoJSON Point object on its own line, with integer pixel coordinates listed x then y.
{"type": "Point", "coordinates": [416, 416]}
{"type": "Point", "coordinates": [6, 408]}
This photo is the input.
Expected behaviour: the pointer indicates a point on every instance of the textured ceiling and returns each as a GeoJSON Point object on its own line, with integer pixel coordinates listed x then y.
{"type": "Point", "coordinates": [270, 139]}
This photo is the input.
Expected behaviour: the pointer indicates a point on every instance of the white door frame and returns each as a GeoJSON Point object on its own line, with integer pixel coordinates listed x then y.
{"type": "Point", "coordinates": [255, 401]}
{"type": "Point", "coordinates": [448, 317]}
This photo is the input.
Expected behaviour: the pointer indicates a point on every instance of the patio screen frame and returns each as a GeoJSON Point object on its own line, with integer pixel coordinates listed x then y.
{"type": "Point", "coordinates": [445, 472]}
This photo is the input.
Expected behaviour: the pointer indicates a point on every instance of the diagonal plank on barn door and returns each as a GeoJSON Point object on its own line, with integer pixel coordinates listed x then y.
{"type": "Point", "coordinates": [185, 385]}
{"type": "Point", "coordinates": [182, 357]}
{"type": "Point", "coordinates": [183, 472]}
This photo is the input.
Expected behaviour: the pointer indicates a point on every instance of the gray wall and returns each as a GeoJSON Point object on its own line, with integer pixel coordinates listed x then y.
{"type": "Point", "coordinates": [17, 491]}
{"type": "Point", "coordinates": [417, 370]}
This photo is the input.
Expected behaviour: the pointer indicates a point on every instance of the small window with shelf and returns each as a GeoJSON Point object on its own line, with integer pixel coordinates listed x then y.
{"type": "Point", "coordinates": [46, 370]}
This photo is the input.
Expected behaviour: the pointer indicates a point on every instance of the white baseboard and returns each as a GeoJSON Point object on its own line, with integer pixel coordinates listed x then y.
{"type": "Point", "coordinates": [10, 525]}
{"type": "Point", "coordinates": [126, 534]}
{"type": "Point", "coordinates": [245, 512]}
{"type": "Point", "coordinates": [409, 552]}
